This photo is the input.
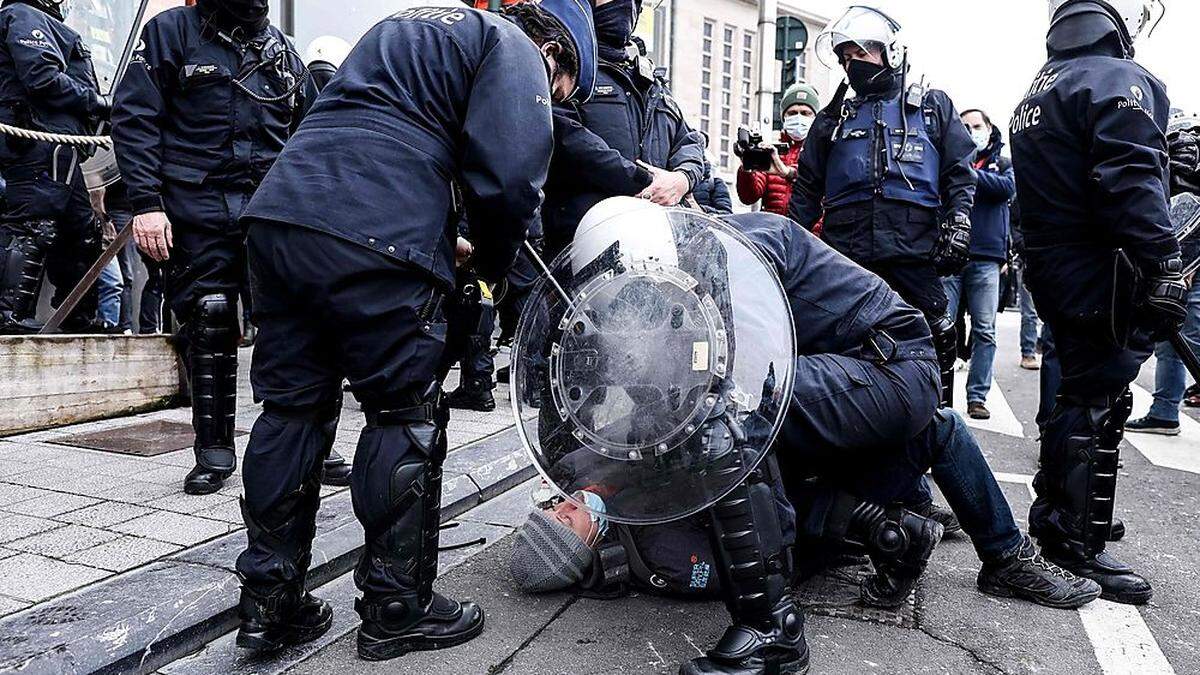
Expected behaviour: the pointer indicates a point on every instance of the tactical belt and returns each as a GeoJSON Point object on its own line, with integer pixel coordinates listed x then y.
{"type": "Point", "coordinates": [427, 412]}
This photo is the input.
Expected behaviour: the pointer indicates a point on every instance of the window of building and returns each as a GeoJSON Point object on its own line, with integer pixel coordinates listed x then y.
{"type": "Point", "coordinates": [727, 113]}
{"type": "Point", "coordinates": [706, 76]}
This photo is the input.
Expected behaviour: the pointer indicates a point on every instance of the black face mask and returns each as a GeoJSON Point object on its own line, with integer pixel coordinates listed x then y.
{"type": "Point", "coordinates": [868, 78]}
{"type": "Point", "coordinates": [615, 22]}
{"type": "Point", "coordinates": [250, 15]}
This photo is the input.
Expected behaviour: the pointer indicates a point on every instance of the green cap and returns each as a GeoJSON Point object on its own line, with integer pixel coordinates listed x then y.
{"type": "Point", "coordinates": [800, 93]}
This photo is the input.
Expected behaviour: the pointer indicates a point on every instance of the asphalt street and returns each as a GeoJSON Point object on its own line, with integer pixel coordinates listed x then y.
{"type": "Point", "coordinates": [953, 628]}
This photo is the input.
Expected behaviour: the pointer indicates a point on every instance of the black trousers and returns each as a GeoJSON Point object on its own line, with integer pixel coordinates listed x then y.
{"type": "Point", "coordinates": [329, 310]}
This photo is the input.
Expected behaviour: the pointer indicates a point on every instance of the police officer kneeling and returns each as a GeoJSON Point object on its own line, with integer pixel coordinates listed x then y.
{"type": "Point", "coordinates": [352, 252]}
{"type": "Point", "coordinates": [1090, 152]}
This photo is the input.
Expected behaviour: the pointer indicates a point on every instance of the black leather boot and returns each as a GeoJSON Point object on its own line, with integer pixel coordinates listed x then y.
{"type": "Point", "coordinates": [767, 635]}
{"type": "Point", "coordinates": [400, 612]}
{"type": "Point", "coordinates": [775, 645]}
{"type": "Point", "coordinates": [473, 394]}
{"type": "Point", "coordinates": [336, 470]}
{"type": "Point", "coordinates": [212, 357]}
{"type": "Point", "coordinates": [288, 616]}
{"type": "Point", "coordinates": [1118, 582]}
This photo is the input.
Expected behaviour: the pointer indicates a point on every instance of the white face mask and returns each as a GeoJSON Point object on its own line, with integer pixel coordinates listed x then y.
{"type": "Point", "coordinates": [982, 138]}
{"type": "Point", "coordinates": [797, 126]}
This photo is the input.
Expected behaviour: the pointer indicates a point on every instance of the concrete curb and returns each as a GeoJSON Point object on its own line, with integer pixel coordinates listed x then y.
{"type": "Point", "coordinates": [142, 620]}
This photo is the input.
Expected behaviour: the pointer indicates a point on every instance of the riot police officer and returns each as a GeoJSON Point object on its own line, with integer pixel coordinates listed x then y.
{"type": "Point", "coordinates": [1090, 152]}
{"type": "Point", "coordinates": [211, 95]}
{"type": "Point", "coordinates": [602, 148]}
{"type": "Point", "coordinates": [438, 113]}
{"type": "Point", "coordinates": [891, 169]}
{"type": "Point", "coordinates": [47, 84]}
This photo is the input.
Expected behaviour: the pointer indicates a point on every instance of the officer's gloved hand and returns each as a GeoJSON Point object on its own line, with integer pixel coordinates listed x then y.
{"type": "Point", "coordinates": [102, 107]}
{"type": "Point", "coordinates": [1184, 152]}
{"type": "Point", "coordinates": [1165, 306]}
{"type": "Point", "coordinates": [953, 249]}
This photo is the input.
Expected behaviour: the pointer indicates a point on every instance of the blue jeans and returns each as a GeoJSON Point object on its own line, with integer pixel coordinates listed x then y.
{"type": "Point", "coordinates": [1029, 317]}
{"type": "Point", "coordinates": [110, 286]}
{"type": "Point", "coordinates": [980, 284]}
{"type": "Point", "coordinates": [1170, 375]}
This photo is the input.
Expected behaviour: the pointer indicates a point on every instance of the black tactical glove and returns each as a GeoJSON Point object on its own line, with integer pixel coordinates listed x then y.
{"type": "Point", "coordinates": [953, 248]}
{"type": "Point", "coordinates": [1184, 151]}
{"type": "Point", "coordinates": [102, 108]}
{"type": "Point", "coordinates": [1165, 306]}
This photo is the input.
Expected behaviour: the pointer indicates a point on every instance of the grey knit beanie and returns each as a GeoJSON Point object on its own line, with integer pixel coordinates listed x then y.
{"type": "Point", "coordinates": [548, 556]}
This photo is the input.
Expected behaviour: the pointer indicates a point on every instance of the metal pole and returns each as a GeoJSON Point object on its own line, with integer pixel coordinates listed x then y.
{"type": "Point", "coordinates": [768, 10]}
{"type": "Point", "coordinates": [89, 278]}
{"type": "Point", "coordinates": [287, 17]}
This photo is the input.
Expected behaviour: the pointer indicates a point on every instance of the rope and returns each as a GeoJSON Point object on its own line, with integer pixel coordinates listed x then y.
{"type": "Point", "coordinates": [61, 139]}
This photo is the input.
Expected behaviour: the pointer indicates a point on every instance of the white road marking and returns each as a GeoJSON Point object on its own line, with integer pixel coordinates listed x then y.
{"type": "Point", "coordinates": [1120, 638]}
{"type": "Point", "coordinates": [1180, 452]}
{"type": "Point", "coordinates": [1004, 420]}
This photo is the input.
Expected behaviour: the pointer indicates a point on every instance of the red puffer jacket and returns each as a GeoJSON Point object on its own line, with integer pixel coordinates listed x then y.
{"type": "Point", "coordinates": [774, 191]}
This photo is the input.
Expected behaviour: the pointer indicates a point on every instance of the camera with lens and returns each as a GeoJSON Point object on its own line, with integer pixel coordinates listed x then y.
{"type": "Point", "coordinates": [749, 148]}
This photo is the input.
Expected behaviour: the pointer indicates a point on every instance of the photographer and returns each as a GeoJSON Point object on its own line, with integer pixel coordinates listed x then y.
{"type": "Point", "coordinates": [773, 184]}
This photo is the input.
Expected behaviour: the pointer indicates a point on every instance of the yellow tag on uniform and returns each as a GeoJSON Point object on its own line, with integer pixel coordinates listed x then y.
{"type": "Point", "coordinates": [487, 292]}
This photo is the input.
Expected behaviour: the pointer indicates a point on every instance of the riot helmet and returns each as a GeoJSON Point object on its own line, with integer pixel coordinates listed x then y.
{"type": "Point", "coordinates": [1135, 15]}
{"type": "Point", "coordinates": [867, 28]}
{"type": "Point", "coordinates": [59, 9]}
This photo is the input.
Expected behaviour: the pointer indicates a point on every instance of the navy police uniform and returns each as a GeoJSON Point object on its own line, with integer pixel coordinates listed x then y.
{"type": "Point", "coordinates": [200, 116]}
{"type": "Point", "coordinates": [437, 114]}
{"type": "Point", "coordinates": [886, 170]}
{"type": "Point", "coordinates": [631, 117]}
{"type": "Point", "coordinates": [1090, 152]}
{"type": "Point", "coordinates": [47, 83]}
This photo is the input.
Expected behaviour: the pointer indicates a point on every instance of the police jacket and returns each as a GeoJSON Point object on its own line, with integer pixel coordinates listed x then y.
{"type": "Point", "coordinates": [883, 196]}
{"type": "Point", "coordinates": [632, 116]}
{"type": "Point", "coordinates": [46, 78]}
{"type": "Point", "coordinates": [181, 112]}
{"type": "Point", "coordinates": [1090, 148]}
{"type": "Point", "coordinates": [837, 306]}
{"type": "Point", "coordinates": [994, 189]}
{"type": "Point", "coordinates": [436, 109]}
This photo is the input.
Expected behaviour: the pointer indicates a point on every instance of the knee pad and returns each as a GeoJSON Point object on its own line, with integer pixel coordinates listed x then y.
{"type": "Point", "coordinates": [214, 326]}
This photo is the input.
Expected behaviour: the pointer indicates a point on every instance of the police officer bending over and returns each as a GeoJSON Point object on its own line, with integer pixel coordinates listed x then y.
{"type": "Point", "coordinates": [436, 111]}
{"type": "Point", "coordinates": [891, 168]}
{"type": "Point", "coordinates": [46, 84]}
{"type": "Point", "coordinates": [1090, 152]}
{"type": "Point", "coordinates": [212, 94]}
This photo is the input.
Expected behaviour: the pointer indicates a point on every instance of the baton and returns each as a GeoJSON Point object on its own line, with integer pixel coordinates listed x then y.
{"type": "Point", "coordinates": [1184, 350]}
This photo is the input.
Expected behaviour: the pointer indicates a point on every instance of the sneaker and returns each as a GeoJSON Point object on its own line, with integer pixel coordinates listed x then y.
{"type": "Point", "coordinates": [1031, 362]}
{"type": "Point", "coordinates": [1153, 425]}
{"type": "Point", "coordinates": [1027, 575]}
{"type": "Point", "coordinates": [976, 410]}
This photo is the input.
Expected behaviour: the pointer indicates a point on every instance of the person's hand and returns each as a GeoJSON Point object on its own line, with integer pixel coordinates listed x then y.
{"type": "Point", "coordinates": [463, 252]}
{"type": "Point", "coordinates": [953, 249]}
{"type": "Point", "coordinates": [669, 187]}
{"type": "Point", "coordinates": [778, 168]}
{"type": "Point", "coordinates": [1184, 153]}
{"type": "Point", "coordinates": [152, 232]}
{"type": "Point", "coordinates": [1166, 305]}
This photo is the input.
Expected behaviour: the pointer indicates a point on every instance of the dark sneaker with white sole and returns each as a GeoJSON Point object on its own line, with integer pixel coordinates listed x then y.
{"type": "Point", "coordinates": [1152, 425]}
{"type": "Point", "coordinates": [1027, 575]}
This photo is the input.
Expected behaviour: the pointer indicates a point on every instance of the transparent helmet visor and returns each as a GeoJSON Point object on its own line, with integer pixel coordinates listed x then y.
{"type": "Point", "coordinates": [657, 382]}
{"type": "Point", "coordinates": [859, 26]}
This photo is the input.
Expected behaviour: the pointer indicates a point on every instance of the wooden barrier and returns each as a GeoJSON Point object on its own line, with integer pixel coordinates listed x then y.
{"type": "Point", "coordinates": [52, 380]}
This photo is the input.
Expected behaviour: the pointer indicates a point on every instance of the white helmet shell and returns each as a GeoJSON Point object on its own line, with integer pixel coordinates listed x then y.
{"type": "Point", "coordinates": [640, 227]}
{"type": "Point", "coordinates": [861, 25]}
{"type": "Point", "coordinates": [328, 48]}
{"type": "Point", "coordinates": [1137, 14]}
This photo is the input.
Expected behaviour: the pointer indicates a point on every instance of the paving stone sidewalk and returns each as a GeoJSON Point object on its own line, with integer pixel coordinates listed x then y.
{"type": "Point", "coordinates": [70, 516]}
